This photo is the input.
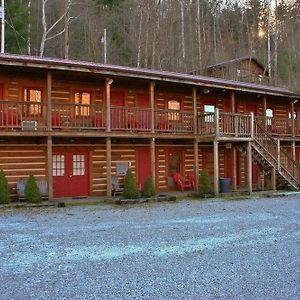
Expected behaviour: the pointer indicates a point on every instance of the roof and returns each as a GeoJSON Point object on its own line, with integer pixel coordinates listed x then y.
{"type": "Point", "coordinates": [139, 73]}
{"type": "Point", "coordinates": [236, 60]}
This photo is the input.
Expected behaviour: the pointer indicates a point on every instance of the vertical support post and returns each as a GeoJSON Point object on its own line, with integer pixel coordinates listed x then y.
{"type": "Point", "coordinates": [278, 154]}
{"type": "Point", "coordinates": [273, 179]}
{"type": "Point", "coordinates": [216, 168]}
{"type": "Point", "coordinates": [292, 117]}
{"type": "Point", "coordinates": [234, 173]}
{"type": "Point", "coordinates": [108, 82]}
{"type": "Point", "coordinates": [108, 167]}
{"type": "Point", "coordinates": [294, 150]}
{"type": "Point", "coordinates": [252, 125]}
{"type": "Point", "coordinates": [232, 102]}
{"type": "Point", "coordinates": [153, 161]}
{"type": "Point", "coordinates": [265, 111]}
{"type": "Point", "coordinates": [196, 164]}
{"type": "Point", "coordinates": [249, 167]}
{"type": "Point", "coordinates": [49, 167]}
{"type": "Point", "coordinates": [152, 85]}
{"type": "Point", "coordinates": [195, 109]}
{"type": "Point", "coordinates": [49, 102]}
{"type": "Point", "coordinates": [217, 120]}
{"type": "Point", "coordinates": [234, 152]}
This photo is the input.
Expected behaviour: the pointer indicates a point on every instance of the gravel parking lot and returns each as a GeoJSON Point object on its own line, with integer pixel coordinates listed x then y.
{"type": "Point", "coordinates": [246, 249]}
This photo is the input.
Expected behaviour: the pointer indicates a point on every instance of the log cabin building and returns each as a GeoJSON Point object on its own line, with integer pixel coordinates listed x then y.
{"type": "Point", "coordinates": [77, 124]}
{"type": "Point", "coordinates": [245, 68]}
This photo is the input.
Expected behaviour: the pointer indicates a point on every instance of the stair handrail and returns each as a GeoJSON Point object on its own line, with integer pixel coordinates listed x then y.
{"type": "Point", "coordinates": [268, 143]}
{"type": "Point", "coordinates": [282, 160]}
{"type": "Point", "coordinates": [289, 165]}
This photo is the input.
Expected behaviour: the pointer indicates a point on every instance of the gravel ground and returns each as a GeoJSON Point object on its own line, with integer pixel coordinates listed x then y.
{"type": "Point", "coordinates": [246, 249]}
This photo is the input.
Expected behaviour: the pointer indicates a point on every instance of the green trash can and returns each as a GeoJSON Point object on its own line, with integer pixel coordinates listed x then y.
{"type": "Point", "coordinates": [224, 185]}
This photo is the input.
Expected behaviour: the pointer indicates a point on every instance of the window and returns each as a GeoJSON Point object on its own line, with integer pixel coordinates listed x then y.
{"type": "Point", "coordinates": [58, 165]}
{"type": "Point", "coordinates": [78, 165]}
{"type": "Point", "coordinates": [269, 115]}
{"type": "Point", "coordinates": [209, 109]}
{"type": "Point", "coordinates": [33, 97]}
{"type": "Point", "coordinates": [294, 117]}
{"type": "Point", "coordinates": [82, 101]}
{"type": "Point", "coordinates": [173, 105]}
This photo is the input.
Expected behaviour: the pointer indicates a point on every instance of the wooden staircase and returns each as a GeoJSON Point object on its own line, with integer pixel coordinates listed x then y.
{"type": "Point", "coordinates": [267, 153]}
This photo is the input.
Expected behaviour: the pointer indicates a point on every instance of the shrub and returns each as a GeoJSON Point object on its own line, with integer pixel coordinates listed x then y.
{"type": "Point", "coordinates": [205, 181]}
{"type": "Point", "coordinates": [32, 193]}
{"type": "Point", "coordinates": [4, 194]}
{"type": "Point", "coordinates": [148, 188]}
{"type": "Point", "coordinates": [130, 186]}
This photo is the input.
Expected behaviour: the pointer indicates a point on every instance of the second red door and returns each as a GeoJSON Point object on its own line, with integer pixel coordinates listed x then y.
{"type": "Point", "coordinates": [70, 173]}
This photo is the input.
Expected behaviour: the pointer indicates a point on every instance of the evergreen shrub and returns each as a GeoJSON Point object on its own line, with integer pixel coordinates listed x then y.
{"type": "Point", "coordinates": [130, 190]}
{"type": "Point", "coordinates": [32, 193]}
{"type": "Point", "coordinates": [148, 188]}
{"type": "Point", "coordinates": [4, 193]}
{"type": "Point", "coordinates": [205, 183]}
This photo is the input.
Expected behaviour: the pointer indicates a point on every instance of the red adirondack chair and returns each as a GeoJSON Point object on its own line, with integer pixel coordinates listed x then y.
{"type": "Point", "coordinates": [191, 177]}
{"type": "Point", "coordinates": [181, 183]}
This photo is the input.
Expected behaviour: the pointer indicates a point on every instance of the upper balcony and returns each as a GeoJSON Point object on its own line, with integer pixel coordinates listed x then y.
{"type": "Point", "coordinates": [17, 116]}
{"type": "Point", "coordinates": [68, 118]}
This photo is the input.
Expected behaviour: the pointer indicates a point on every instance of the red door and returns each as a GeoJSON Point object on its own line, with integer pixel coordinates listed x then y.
{"type": "Point", "coordinates": [70, 173]}
{"type": "Point", "coordinates": [143, 165]}
{"type": "Point", "coordinates": [1, 91]}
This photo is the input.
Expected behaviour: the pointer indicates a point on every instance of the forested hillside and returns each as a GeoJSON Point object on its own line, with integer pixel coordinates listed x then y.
{"type": "Point", "coordinates": [174, 35]}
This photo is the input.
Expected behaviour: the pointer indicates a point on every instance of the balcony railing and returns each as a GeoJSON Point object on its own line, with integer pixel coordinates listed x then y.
{"type": "Point", "coordinates": [130, 119]}
{"type": "Point", "coordinates": [228, 124]}
{"type": "Point", "coordinates": [231, 124]}
{"type": "Point", "coordinates": [32, 116]}
{"type": "Point", "coordinates": [22, 115]}
{"type": "Point", "coordinates": [276, 126]}
{"type": "Point", "coordinates": [173, 121]}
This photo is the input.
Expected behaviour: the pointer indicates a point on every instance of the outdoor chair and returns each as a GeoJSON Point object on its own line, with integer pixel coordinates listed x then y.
{"type": "Point", "coordinates": [181, 183]}
{"type": "Point", "coordinates": [43, 187]}
{"type": "Point", "coordinates": [191, 177]}
{"type": "Point", "coordinates": [116, 188]}
{"type": "Point", "coordinates": [21, 188]}
{"type": "Point", "coordinates": [41, 183]}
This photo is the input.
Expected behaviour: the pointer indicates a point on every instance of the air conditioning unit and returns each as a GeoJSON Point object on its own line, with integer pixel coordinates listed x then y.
{"type": "Point", "coordinates": [29, 125]}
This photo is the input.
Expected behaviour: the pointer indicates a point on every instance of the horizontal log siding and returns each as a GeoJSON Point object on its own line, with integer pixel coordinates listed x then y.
{"type": "Point", "coordinates": [18, 162]}
{"type": "Point", "coordinates": [188, 160]}
{"type": "Point", "coordinates": [98, 165]}
{"type": "Point", "coordinates": [161, 169]}
{"type": "Point", "coordinates": [98, 171]}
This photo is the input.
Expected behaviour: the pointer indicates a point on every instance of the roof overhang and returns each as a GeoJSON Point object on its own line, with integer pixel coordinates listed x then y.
{"type": "Point", "coordinates": [139, 73]}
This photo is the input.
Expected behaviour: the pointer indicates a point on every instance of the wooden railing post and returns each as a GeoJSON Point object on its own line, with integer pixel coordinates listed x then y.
{"type": "Point", "coordinates": [217, 123]}
{"type": "Point", "coordinates": [49, 102]}
{"type": "Point", "coordinates": [108, 82]}
{"type": "Point", "coordinates": [292, 117]}
{"type": "Point", "coordinates": [252, 125]}
{"type": "Point", "coordinates": [195, 109]}
{"type": "Point", "coordinates": [152, 85]}
{"type": "Point", "coordinates": [265, 111]}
